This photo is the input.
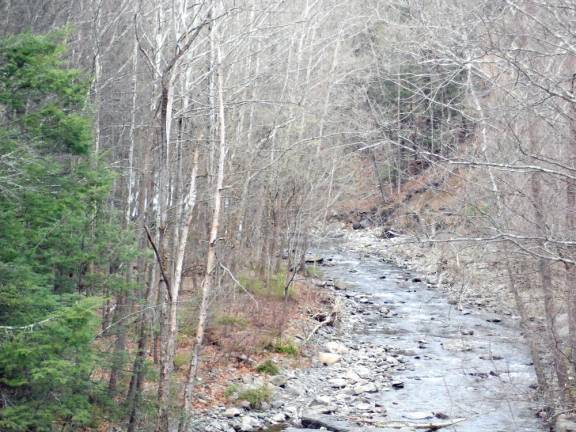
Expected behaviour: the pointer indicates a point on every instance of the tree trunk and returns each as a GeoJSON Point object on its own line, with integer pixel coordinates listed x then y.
{"type": "Point", "coordinates": [208, 282]}
{"type": "Point", "coordinates": [545, 275]}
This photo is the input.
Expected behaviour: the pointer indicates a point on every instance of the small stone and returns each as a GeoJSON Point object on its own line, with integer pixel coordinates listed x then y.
{"type": "Point", "coordinates": [295, 389]}
{"type": "Point", "coordinates": [398, 384]}
{"type": "Point", "coordinates": [419, 415]}
{"type": "Point", "coordinates": [335, 347]}
{"type": "Point", "coordinates": [352, 376]}
{"type": "Point", "coordinates": [363, 406]}
{"type": "Point", "coordinates": [456, 346]}
{"type": "Point", "coordinates": [363, 372]}
{"type": "Point", "coordinates": [322, 400]}
{"type": "Point", "coordinates": [338, 382]}
{"type": "Point", "coordinates": [277, 403]}
{"type": "Point", "coordinates": [365, 388]}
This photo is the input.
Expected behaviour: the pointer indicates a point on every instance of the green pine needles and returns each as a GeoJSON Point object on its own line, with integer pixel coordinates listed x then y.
{"type": "Point", "coordinates": [59, 242]}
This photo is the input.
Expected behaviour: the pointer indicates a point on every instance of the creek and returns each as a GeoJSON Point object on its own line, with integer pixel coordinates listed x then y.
{"type": "Point", "coordinates": [463, 364]}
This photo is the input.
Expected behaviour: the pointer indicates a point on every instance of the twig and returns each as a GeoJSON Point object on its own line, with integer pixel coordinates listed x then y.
{"type": "Point", "coordinates": [159, 260]}
{"type": "Point", "coordinates": [237, 282]}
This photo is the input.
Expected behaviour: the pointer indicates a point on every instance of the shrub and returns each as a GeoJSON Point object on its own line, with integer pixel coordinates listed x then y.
{"type": "Point", "coordinates": [230, 391]}
{"type": "Point", "coordinates": [252, 284]}
{"type": "Point", "coordinates": [268, 367]}
{"type": "Point", "coordinates": [180, 359]}
{"type": "Point", "coordinates": [256, 396]}
{"type": "Point", "coordinates": [232, 321]}
{"type": "Point", "coordinates": [313, 271]}
{"type": "Point", "coordinates": [274, 289]}
{"type": "Point", "coordinates": [283, 347]}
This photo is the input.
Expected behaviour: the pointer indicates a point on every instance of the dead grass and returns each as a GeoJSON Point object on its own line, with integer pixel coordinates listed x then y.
{"type": "Point", "coordinates": [237, 336]}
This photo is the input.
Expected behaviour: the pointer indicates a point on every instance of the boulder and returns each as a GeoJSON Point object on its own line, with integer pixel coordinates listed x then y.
{"type": "Point", "coordinates": [278, 418]}
{"type": "Point", "coordinates": [232, 412]}
{"type": "Point", "coordinates": [342, 286]}
{"type": "Point", "coordinates": [279, 380]}
{"type": "Point", "coordinates": [565, 424]}
{"type": "Point", "coordinates": [313, 259]}
{"type": "Point", "coordinates": [295, 389]}
{"type": "Point", "coordinates": [244, 404]}
{"type": "Point", "coordinates": [328, 359]}
{"type": "Point", "coordinates": [249, 423]}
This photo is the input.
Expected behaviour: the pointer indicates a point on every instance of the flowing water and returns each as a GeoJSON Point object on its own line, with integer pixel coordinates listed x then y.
{"type": "Point", "coordinates": [466, 364]}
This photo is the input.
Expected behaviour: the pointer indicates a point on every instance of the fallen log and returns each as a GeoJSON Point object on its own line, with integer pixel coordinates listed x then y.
{"type": "Point", "coordinates": [430, 426]}
{"type": "Point", "coordinates": [329, 319]}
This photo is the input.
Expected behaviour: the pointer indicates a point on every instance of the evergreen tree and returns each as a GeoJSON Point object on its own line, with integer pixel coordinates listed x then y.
{"type": "Point", "coordinates": [58, 242]}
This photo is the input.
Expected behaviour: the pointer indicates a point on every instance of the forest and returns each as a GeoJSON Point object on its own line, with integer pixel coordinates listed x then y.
{"type": "Point", "coordinates": [185, 184]}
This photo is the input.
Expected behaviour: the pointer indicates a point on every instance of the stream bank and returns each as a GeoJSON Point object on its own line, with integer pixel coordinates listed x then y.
{"type": "Point", "coordinates": [402, 358]}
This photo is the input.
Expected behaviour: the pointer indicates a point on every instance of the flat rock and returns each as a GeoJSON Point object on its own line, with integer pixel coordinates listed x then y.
{"type": "Point", "coordinates": [335, 347]}
{"type": "Point", "coordinates": [317, 410]}
{"type": "Point", "coordinates": [456, 346]}
{"type": "Point", "coordinates": [419, 415]}
{"type": "Point", "coordinates": [363, 406]}
{"type": "Point", "coordinates": [322, 400]}
{"type": "Point", "coordinates": [365, 388]}
{"type": "Point", "coordinates": [327, 422]}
